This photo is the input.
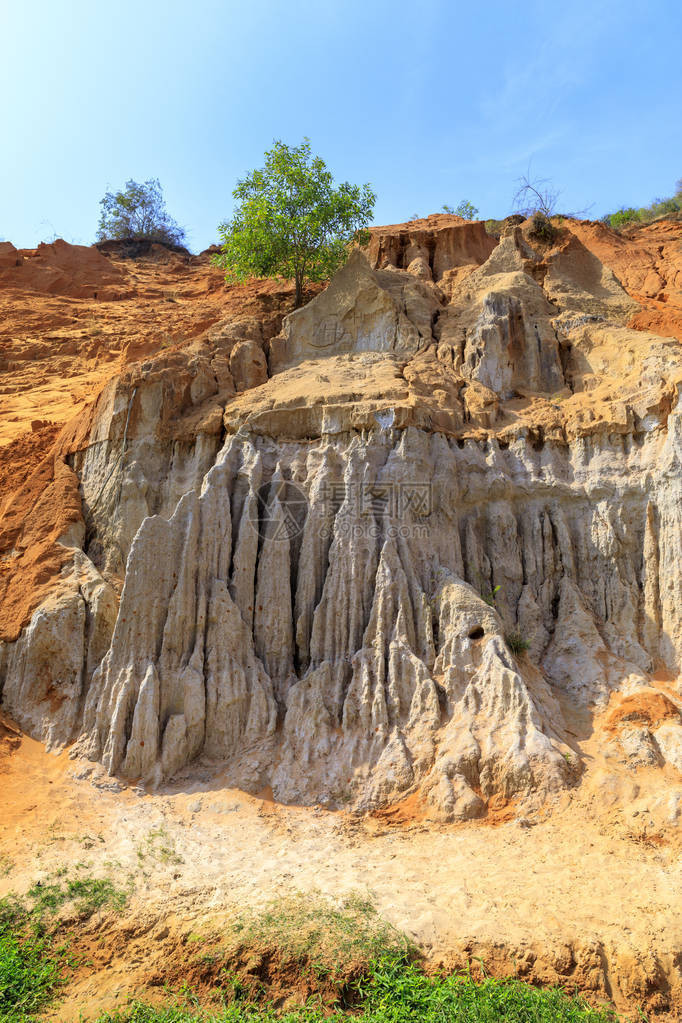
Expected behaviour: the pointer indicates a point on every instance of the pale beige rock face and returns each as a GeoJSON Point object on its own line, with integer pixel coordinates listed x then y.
{"type": "Point", "coordinates": [46, 672]}
{"type": "Point", "coordinates": [356, 661]}
{"type": "Point", "coordinates": [326, 574]}
{"type": "Point", "coordinates": [361, 311]}
{"type": "Point", "coordinates": [248, 365]}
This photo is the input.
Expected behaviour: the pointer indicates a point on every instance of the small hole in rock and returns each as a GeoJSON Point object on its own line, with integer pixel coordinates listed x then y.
{"type": "Point", "coordinates": [477, 633]}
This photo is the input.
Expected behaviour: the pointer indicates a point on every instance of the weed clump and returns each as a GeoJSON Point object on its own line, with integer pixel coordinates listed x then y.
{"type": "Point", "coordinates": [517, 643]}
{"type": "Point", "coordinates": [542, 229]}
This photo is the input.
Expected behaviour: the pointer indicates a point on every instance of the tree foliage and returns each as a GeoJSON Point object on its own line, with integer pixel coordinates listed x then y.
{"type": "Point", "coordinates": [290, 221]}
{"type": "Point", "coordinates": [138, 211]}
{"type": "Point", "coordinates": [671, 206]}
{"type": "Point", "coordinates": [465, 209]}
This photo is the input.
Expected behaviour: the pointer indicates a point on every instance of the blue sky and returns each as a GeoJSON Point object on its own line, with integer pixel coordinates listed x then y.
{"type": "Point", "coordinates": [429, 100]}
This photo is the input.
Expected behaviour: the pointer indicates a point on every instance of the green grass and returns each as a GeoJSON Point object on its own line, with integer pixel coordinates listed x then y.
{"type": "Point", "coordinates": [320, 936]}
{"type": "Point", "coordinates": [31, 966]}
{"type": "Point", "coordinates": [86, 894]}
{"type": "Point", "coordinates": [33, 962]}
{"type": "Point", "coordinates": [395, 990]}
{"type": "Point", "coordinates": [31, 970]}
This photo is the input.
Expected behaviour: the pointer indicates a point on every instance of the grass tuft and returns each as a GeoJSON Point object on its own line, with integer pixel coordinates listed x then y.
{"type": "Point", "coordinates": [517, 643]}
{"type": "Point", "coordinates": [87, 894]}
{"type": "Point", "coordinates": [331, 939]}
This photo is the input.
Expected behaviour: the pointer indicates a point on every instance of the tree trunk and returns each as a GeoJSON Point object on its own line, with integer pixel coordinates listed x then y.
{"type": "Point", "coordinates": [299, 291]}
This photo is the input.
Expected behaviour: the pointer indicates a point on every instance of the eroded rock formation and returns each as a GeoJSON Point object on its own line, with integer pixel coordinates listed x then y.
{"type": "Point", "coordinates": [408, 544]}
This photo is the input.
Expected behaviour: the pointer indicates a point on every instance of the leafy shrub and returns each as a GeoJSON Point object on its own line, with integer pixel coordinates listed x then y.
{"type": "Point", "coordinates": [465, 209]}
{"type": "Point", "coordinates": [138, 211]}
{"type": "Point", "coordinates": [494, 227]}
{"type": "Point", "coordinates": [542, 229]}
{"type": "Point", "coordinates": [645, 214]}
{"type": "Point", "coordinates": [665, 207]}
{"type": "Point", "coordinates": [623, 216]}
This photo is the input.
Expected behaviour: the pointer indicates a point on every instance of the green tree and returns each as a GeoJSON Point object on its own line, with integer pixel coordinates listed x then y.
{"type": "Point", "coordinates": [466, 210]}
{"type": "Point", "coordinates": [138, 211]}
{"type": "Point", "coordinates": [290, 221]}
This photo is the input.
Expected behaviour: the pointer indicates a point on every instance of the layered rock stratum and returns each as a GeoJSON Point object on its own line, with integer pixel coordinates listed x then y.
{"type": "Point", "coordinates": [417, 540]}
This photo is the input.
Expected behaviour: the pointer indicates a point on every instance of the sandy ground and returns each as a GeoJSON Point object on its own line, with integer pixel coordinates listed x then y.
{"type": "Point", "coordinates": [587, 882]}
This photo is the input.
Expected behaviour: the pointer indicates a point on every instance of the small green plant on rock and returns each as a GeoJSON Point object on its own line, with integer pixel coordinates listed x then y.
{"type": "Point", "coordinates": [517, 643]}
{"type": "Point", "coordinates": [158, 847]}
{"type": "Point", "coordinates": [309, 929]}
{"type": "Point", "coordinates": [489, 598]}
